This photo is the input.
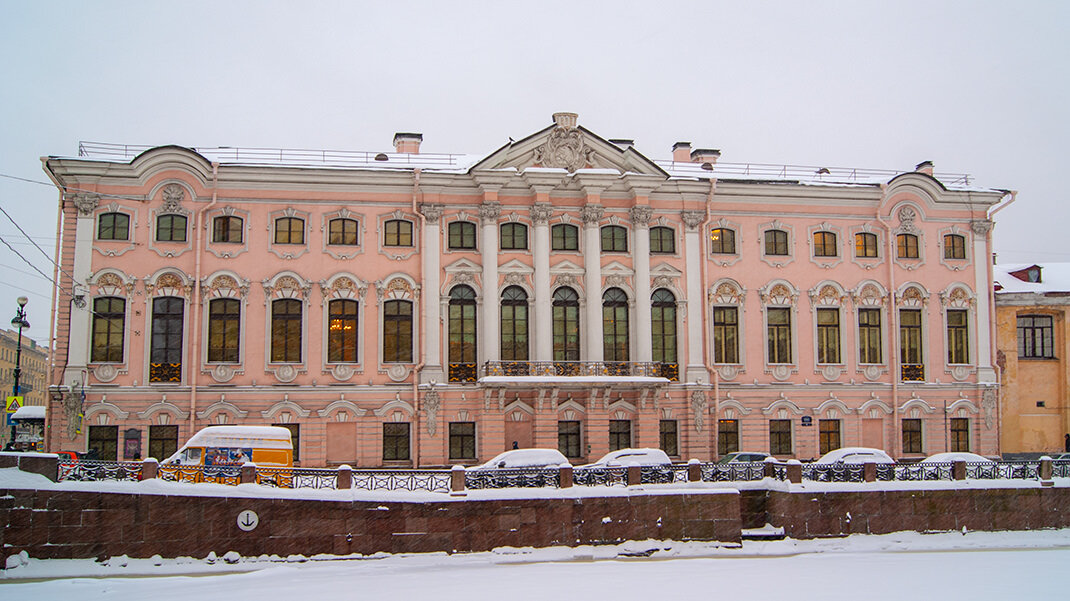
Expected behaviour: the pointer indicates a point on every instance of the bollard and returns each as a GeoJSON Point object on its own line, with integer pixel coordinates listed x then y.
{"type": "Point", "coordinates": [345, 477]}
{"type": "Point", "coordinates": [149, 468]}
{"type": "Point", "coordinates": [248, 473]}
{"type": "Point", "coordinates": [869, 471]}
{"type": "Point", "coordinates": [794, 471]}
{"type": "Point", "coordinates": [769, 467]}
{"type": "Point", "coordinates": [635, 475]}
{"type": "Point", "coordinates": [694, 471]}
{"type": "Point", "coordinates": [565, 475]}
{"type": "Point", "coordinates": [457, 480]}
{"type": "Point", "coordinates": [958, 470]}
{"type": "Point", "coordinates": [1046, 471]}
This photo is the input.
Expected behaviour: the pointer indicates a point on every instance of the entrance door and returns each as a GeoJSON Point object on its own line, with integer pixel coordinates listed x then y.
{"type": "Point", "coordinates": [518, 432]}
{"type": "Point", "coordinates": [873, 433]}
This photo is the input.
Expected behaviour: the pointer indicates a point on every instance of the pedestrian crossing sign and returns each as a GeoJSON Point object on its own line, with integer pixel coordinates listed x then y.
{"type": "Point", "coordinates": [13, 404]}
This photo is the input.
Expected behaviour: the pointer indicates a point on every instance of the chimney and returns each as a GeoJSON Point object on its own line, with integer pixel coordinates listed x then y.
{"type": "Point", "coordinates": [407, 143]}
{"type": "Point", "coordinates": [622, 143]}
{"type": "Point", "coordinates": [681, 152]}
{"type": "Point", "coordinates": [925, 167]}
{"type": "Point", "coordinates": [705, 155]}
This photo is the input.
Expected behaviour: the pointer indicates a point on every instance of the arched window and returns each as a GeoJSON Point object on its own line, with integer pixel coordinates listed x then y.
{"type": "Point", "coordinates": [824, 244]}
{"type": "Point", "coordinates": [397, 331]}
{"type": "Point", "coordinates": [286, 331]}
{"type": "Point", "coordinates": [566, 325]}
{"type": "Point", "coordinates": [171, 228]}
{"type": "Point", "coordinates": [224, 330]}
{"type": "Point", "coordinates": [954, 246]}
{"type": "Point", "coordinates": [165, 353]}
{"type": "Point", "coordinates": [462, 235]}
{"type": "Point", "coordinates": [113, 226]}
{"type": "Point", "coordinates": [227, 228]}
{"type": "Point", "coordinates": [865, 245]}
{"type": "Point", "coordinates": [908, 246]}
{"type": "Point", "coordinates": [663, 331]}
{"type": "Point", "coordinates": [662, 240]}
{"type": "Point", "coordinates": [564, 236]}
{"type": "Point", "coordinates": [514, 236]}
{"type": "Point", "coordinates": [614, 239]}
{"type": "Point", "coordinates": [615, 325]}
{"type": "Point", "coordinates": [776, 242]}
{"type": "Point", "coordinates": [109, 318]}
{"type": "Point", "coordinates": [514, 324]}
{"type": "Point", "coordinates": [462, 335]}
{"type": "Point", "coordinates": [342, 232]}
{"type": "Point", "coordinates": [723, 241]}
{"type": "Point", "coordinates": [342, 331]}
{"type": "Point", "coordinates": [289, 230]}
{"type": "Point", "coordinates": [397, 232]}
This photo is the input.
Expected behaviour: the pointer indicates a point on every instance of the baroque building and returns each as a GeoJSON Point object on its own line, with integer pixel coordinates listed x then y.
{"type": "Point", "coordinates": [563, 291]}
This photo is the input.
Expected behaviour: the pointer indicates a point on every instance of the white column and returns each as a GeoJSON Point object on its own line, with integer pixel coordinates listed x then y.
{"type": "Point", "coordinates": [641, 222]}
{"type": "Point", "coordinates": [78, 345]}
{"type": "Point", "coordinates": [981, 258]}
{"type": "Point", "coordinates": [696, 371]}
{"type": "Point", "coordinates": [432, 255]}
{"type": "Point", "coordinates": [593, 350]}
{"type": "Point", "coordinates": [542, 308]}
{"type": "Point", "coordinates": [489, 212]}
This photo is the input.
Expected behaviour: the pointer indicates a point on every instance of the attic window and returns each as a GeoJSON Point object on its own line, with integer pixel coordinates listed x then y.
{"type": "Point", "coordinates": [382, 157]}
{"type": "Point", "coordinates": [1029, 274]}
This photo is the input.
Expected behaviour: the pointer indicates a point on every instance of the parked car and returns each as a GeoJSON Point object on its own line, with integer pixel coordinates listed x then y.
{"type": "Point", "coordinates": [1062, 457]}
{"type": "Point", "coordinates": [515, 468]}
{"type": "Point", "coordinates": [69, 456]}
{"type": "Point", "coordinates": [518, 458]}
{"type": "Point", "coordinates": [959, 456]}
{"type": "Point", "coordinates": [854, 456]}
{"type": "Point", "coordinates": [657, 462]}
{"type": "Point", "coordinates": [742, 457]}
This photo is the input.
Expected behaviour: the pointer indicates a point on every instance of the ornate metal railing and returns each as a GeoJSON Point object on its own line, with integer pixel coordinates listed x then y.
{"type": "Point", "coordinates": [600, 476]}
{"type": "Point", "coordinates": [165, 372]}
{"type": "Point", "coordinates": [924, 471]}
{"type": "Point", "coordinates": [733, 472]}
{"type": "Point", "coordinates": [83, 471]}
{"type": "Point", "coordinates": [428, 480]}
{"type": "Point", "coordinates": [512, 478]}
{"type": "Point", "coordinates": [297, 477]}
{"type": "Point", "coordinates": [912, 372]}
{"type": "Point", "coordinates": [833, 473]}
{"type": "Point", "coordinates": [670, 371]}
{"type": "Point", "coordinates": [462, 372]}
{"type": "Point", "coordinates": [651, 369]}
{"type": "Point", "coordinates": [1060, 469]}
{"type": "Point", "coordinates": [193, 474]}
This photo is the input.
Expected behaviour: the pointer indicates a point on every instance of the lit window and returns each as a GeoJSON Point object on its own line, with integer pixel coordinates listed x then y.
{"type": "Point", "coordinates": [342, 331]}
{"type": "Point", "coordinates": [723, 241]}
{"type": "Point", "coordinates": [342, 232]}
{"type": "Point", "coordinates": [289, 230]}
{"type": "Point", "coordinates": [824, 244]}
{"type": "Point", "coordinates": [907, 246]}
{"type": "Point", "coordinates": [865, 245]}
{"type": "Point", "coordinates": [828, 435]}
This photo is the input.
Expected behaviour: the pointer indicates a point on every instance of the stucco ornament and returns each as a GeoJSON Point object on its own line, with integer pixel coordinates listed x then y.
{"type": "Point", "coordinates": [988, 407]}
{"type": "Point", "coordinates": [431, 212]}
{"type": "Point", "coordinates": [641, 214]}
{"type": "Point", "coordinates": [698, 407]}
{"type": "Point", "coordinates": [173, 194]}
{"type": "Point", "coordinates": [907, 216]}
{"type": "Point", "coordinates": [564, 148]}
{"type": "Point", "coordinates": [431, 405]}
{"type": "Point", "coordinates": [72, 410]}
{"type": "Point", "coordinates": [981, 226]}
{"type": "Point", "coordinates": [85, 203]}
{"type": "Point", "coordinates": [592, 214]}
{"type": "Point", "coordinates": [541, 213]}
{"type": "Point", "coordinates": [692, 219]}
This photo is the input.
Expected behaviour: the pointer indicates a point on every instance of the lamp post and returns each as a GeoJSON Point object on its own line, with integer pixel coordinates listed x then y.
{"type": "Point", "coordinates": [20, 321]}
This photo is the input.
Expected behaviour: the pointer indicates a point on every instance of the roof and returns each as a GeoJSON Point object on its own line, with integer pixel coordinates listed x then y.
{"type": "Point", "coordinates": [29, 412]}
{"type": "Point", "coordinates": [1054, 277]}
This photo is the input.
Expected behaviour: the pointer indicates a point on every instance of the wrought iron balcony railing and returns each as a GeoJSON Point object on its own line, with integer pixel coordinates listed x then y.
{"type": "Point", "coordinates": [165, 372]}
{"type": "Point", "coordinates": [913, 372]}
{"type": "Point", "coordinates": [581, 368]}
{"type": "Point", "coordinates": [462, 372]}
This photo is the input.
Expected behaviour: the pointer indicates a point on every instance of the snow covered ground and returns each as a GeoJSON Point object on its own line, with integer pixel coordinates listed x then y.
{"type": "Point", "coordinates": [975, 565]}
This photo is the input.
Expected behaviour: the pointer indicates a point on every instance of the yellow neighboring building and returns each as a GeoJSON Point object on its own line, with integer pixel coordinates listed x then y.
{"type": "Point", "coordinates": [32, 380]}
{"type": "Point", "coordinates": [1033, 347]}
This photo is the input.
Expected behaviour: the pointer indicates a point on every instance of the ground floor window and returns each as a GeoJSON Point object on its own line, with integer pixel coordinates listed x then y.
{"type": "Point", "coordinates": [780, 437]}
{"type": "Point", "coordinates": [727, 436]}
{"type": "Point", "coordinates": [463, 440]}
{"type": "Point", "coordinates": [829, 435]}
{"type": "Point", "coordinates": [163, 441]}
{"type": "Point", "coordinates": [104, 443]}
{"type": "Point", "coordinates": [669, 437]}
{"type": "Point", "coordinates": [620, 434]}
{"type": "Point", "coordinates": [295, 437]}
{"type": "Point", "coordinates": [396, 441]}
{"type": "Point", "coordinates": [568, 438]}
{"type": "Point", "coordinates": [960, 435]}
{"type": "Point", "coordinates": [912, 436]}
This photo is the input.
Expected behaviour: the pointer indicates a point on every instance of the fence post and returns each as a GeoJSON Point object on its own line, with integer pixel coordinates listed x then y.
{"type": "Point", "coordinates": [248, 473]}
{"type": "Point", "coordinates": [769, 467]}
{"type": "Point", "coordinates": [869, 471]}
{"type": "Point", "coordinates": [345, 477]}
{"type": "Point", "coordinates": [694, 471]}
{"type": "Point", "coordinates": [794, 471]}
{"type": "Point", "coordinates": [635, 475]}
{"type": "Point", "coordinates": [1046, 471]}
{"type": "Point", "coordinates": [149, 468]}
{"type": "Point", "coordinates": [958, 470]}
{"type": "Point", "coordinates": [457, 480]}
{"type": "Point", "coordinates": [565, 475]}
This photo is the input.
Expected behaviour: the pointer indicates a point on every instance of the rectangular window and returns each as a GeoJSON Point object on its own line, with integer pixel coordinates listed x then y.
{"type": "Point", "coordinates": [514, 236]}
{"type": "Point", "coordinates": [910, 336]}
{"type": "Point", "coordinates": [668, 437]}
{"type": "Point", "coordinates": [462, 235]}
{"type": "Point", "coordinates": [907, 246]}
{"type": "Point", "coordinates": [289, 230]}
{"type": "Point", "coordinates": [865, 245]}
{"type": "Point", "coordinates": [104, 443]}
{"type": "Point", "coordinates": [227, 229]}
{"type": "Point", "coordinates": [165, 354]}
{"type": "Point", "coordinates": [954, 246]}
{"type": "Point", "coordinates": [780, 437]}
{"type": "Point", "coordinates": [828, 335]}
{"type": "Point", "coordinates": [1035, 337]}
{"type": "Point", "coordinates": [397, 331]}
{"type": "Point", "coordinates": [725, 335]}
{"type": "Point", "coordinates": [286, 331]}
{"type": "Point", "coordinates": [776, 243]}
{"type": "Point", "coordinates": [620, 434]}
{"type": "Point", "coordinates": [723, 241]}
{"type": "Point", "coordinates": [828, 435]}
{"type": "Point", "coordinates": [463, 441]}
{"type": "Point", "coordinates": [171, 228]}
{"type": "Point", "coordinates": [912, 436]}
{"type": "Point", "coordinates": [342, 331]}
{"type": "Point", "coordinates": [224, 330]}
{"type": "Point", "coordinates": [960, 435]}
{"type": "Point", "coordinates": [614, 239]}
{"type": "Point", "coordinates": [342, 232]}
{"type": "Point", "coordinates": [113, 226]}
{"type": "Point", "coordinates": [295, 437]}
{"type": "Point", "coordinates": [564, 237]}
{"type": "Point", "coordinates": [109, 317]}
{"type": "Point", "coordinates": [397, 232]}
{"type": "Point", "coordinates": [568, 439]}
{"type": "Point", "coordinates": [163, 441]}
{"type": "Point", "coordinates": [824, 244]}
{"type": "Point", "coordinates": [662, 240]}
{"type": "Point", "coordinates": [958, 337]}
{"type": "Point", "coordinates": [779, 335]}
{"type": "Point", "coordinates": [396, 441]}
{"type": "Point", "coordinates": [727, 436]}
{"type": "Point", "coordinates": [869, 336]}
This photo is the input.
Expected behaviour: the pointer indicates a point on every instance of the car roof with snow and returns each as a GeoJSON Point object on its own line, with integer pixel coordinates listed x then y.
{"type": "Point", "coordinates": [855, 455]}
{"type": "Point", "coordinates": [527, 458]}
{"type": "Point", "coordinates": [637, 456]}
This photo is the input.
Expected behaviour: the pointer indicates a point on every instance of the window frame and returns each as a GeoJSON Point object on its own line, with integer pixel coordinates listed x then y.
{"type": "Point", "coordinates": [395, 236]}
{"type": "Point", "coordinates": [825, 244]}
{"type": "Point", "coordinates": [222, 234]}
{"type": "Point", "coordinates": [620, 434]}
{"type": "Point", "coordinates": [954, 247]}
{"type": "Point", "coordinates": [462, 438]}
{"type": "Point", "coordinates": [669, 437]}
{"type": "Point", "coordinates": [566, 325]}
{"type": "Point", "coordinates": [663, 330]}
{"type": "Point", "coordinates": [569, 442]}
{"type": "Point", "coordinates": [662, 234]}
{"type": "Point", "coordinates": [171, 228]}
{"type": "Point", "coordinates": [113, 227]}
{"type": "Point", "coordinates": [616, 340]}
{"type": "Point", "coordinates": [395, 324]}
{"type": "Point", "coordinates": [218, 325]}
{"type": "Point", "coordinates": [866, 333]}
{"type": "Point", "coordinates": [911, 339]}
{"type": "Point", "coordinates": [568, 240]}
{"type": "Point", "coordinates": [110, 323]}
{"type": "Point", "coordinates": [614, 239]}
{"type": "Point", "coordinates": [907, 246]}
{"type": "Point", "coordinates": [288, 231]}
{"type": "Point", "coordinates": [829, 438]}
{"type": "Point", "coordinates": [778, 335]}
{"type": "Point", "coordinates": [462, 336]}
{"type": "Point", "coordinates": [343, 347]}
{"type": "Point", "coordinates": [345, 234]}
{"type": "Point", "coordinates": [515, 233]}
{"type": "Point", "coordinates": [287, 331]}
{"type": "Point", "coordinates": [773, 239]}
{"type": "Point", "coordinates": [464, 231]}
{"type": "Point", "coordinates": [722, 331]}
{"type": "Point", "coordinates": [913, 438]}
{"type": "Point", "coordinates": [401, 449]}
{"type": "Point", "coordinates": [727, 436]}
{"type": "Point", "coordinates": [829, 345]}
{"type": "Point", "coordinates": [723, 241]}
{"type": "Point", "coordinates": [166, 325]}
{"type": "Point", "coordinates": [1037, 332]}
{"type": "Point", "coordinates": [514, 327]}
{"type": "Point", "coordinates": [780, 439]}
{"type": "Point", "coordinates": [959, 434]}
{"type": "Point", "coordinates": [958, 337]}
{"type": "Point", "coordinates": [868, 244]}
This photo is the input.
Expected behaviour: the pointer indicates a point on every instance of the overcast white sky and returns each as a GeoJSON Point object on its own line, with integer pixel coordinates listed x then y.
{"type": "Point", "coordinates": [977, 87]}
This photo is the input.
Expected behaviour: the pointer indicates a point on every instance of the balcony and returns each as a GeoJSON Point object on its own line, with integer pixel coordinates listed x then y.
{"type": "Point", "coordinates": [912, 372]}
{"type": "Point", "coordinates": [165, 372]}
{"type": "Point", "coordinates": [462, 372]}
{"type": "Point", "coordinates": [579, 372]}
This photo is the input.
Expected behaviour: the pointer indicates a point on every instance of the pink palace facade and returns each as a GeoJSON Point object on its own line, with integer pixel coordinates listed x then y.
{"type": "Point", "coordinates": [564, 291]}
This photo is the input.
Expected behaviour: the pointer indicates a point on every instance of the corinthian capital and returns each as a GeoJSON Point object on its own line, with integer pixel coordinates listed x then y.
{"type": "Point", "coordinates": [981, 226]}
{"type": "Point", "coordinates": [692, 218]}
{"type": "Point", "coordinates": [431, 212]}
{"type": "Point", "coordinates": [541, 212]}
{"type": "Point", "coordinates": [86, 203]}
{"type": "Point", "coordinates": [641, 214]}
{"type": "Point", "coordinates": [592, 214]}
{"type": "Point", "coordinates": [489, 211]}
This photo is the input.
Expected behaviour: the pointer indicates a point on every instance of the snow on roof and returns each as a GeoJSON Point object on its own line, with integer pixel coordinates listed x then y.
{"type": "Point", "coordinates": [29, 412]}
{"type": "Point", "coordinates": [1054, 277]}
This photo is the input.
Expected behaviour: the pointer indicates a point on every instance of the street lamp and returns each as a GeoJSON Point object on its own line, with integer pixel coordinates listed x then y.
{"type": "Point", "coordinates": [20, 321]}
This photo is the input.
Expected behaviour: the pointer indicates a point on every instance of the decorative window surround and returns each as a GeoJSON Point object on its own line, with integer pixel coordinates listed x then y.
{"type": "Point", "coordinates": [343, 252]}
{"type": "Point", "coordinates": [398, 286]}
{"type": "Point", "coordinates": [115, 248]}
{"type": "Point", "coordinates": [342, 286]}
{"type": "Point", "coordinates": [908, 214]}
{"type": "Point", "coordinates": [729, 293]}
{"type": "Point", "coordinates": [227, 250]}
{"type": "Point", "coordinates": [776, 260]}
{"type": "Point", "coordinates": [826, 262]}
{"type": "Point", "coordinates": [958, 296]}
{"type": "Point", "coordinates": [286, 285]}
{"type": "Point", "coordinates": [461, 217]}
{"type": "Point", "coordinates": [780, 294]}
{"type": "Point", "coordinates": [956, 264]}
{"type": "Point", "coordinates": [868, 263]}
{"type": "Point", "coordinates": [173, 194]}
{"type": "Point", "coordinates": [397, 253]}
{"type": "Point", "coordinates": [870, 294]}
{"type": "Point", "coordinates": [728, 259]}
{"type": "Point", "coordinates": [830, 295]}
{"type": "Point", "coordinates": [288, 251]}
